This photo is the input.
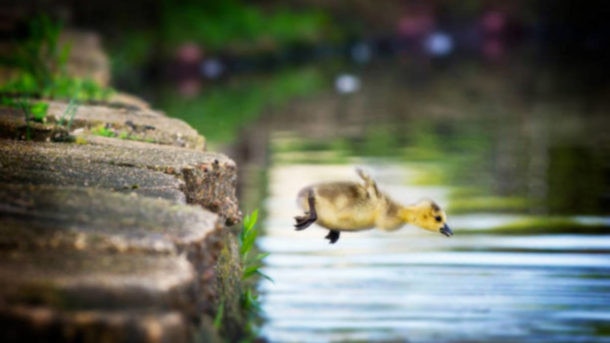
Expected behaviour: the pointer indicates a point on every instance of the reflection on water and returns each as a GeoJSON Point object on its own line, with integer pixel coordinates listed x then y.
{"type": "Point", "coordinates": [524, 178]}
{"type": "Point", "coordinates": [415, 286]}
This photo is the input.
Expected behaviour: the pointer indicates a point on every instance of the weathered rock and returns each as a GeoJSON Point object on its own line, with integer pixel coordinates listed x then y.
{"type": "Point", "coordinates": [43, 324]}
{"type": "Point", "coordinates": [13, 126]}
{"type": "Point", "coordinates": [112, 239]}
{"type": "Point", "coordinates": [119, 99]}
{"type": "Point", "coordinates": [77, 253]}
{"type": "Point", "coordinates": [205, 178]}
{"type": "Point", "coordinates": [92, 219]}
{"type": "Point", "coordinates": [125, 123]}
{"type": "Point", "coordinates": [78, 279]}
{"type": "Point", "coordinates": [130, 123]}
{"type": "Point", "coordinates": [29, 166]}
{"type": "Point", "coordinates": [115, 240]}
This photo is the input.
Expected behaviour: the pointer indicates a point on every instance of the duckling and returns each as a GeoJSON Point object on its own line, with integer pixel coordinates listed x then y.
{"type": "Point", "coordinates": [351, 206]}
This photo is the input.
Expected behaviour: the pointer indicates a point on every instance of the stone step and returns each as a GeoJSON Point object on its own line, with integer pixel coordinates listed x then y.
{"type": "Point", "coordinates": [75, 260]}
{"type": "Point", "coordinates": [197, 177]}
{"type": "Point", "coordinates": [41, 324]}
{"type": "Point", "coordinates": [115, 240]}
{"type": "Point", "coordinates": [122, 122]}
{"type": "Point", "coordinates": [43, 217]}
{"type": "Point", "coordinates": [90, 280]}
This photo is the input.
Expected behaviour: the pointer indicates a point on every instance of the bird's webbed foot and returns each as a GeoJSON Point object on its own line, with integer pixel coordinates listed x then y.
{"type": "Point", "coordinates": [333, 236]}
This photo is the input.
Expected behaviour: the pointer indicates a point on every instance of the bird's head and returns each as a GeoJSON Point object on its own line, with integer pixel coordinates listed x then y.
{"type": "Point", "coordinates": [428, 215]}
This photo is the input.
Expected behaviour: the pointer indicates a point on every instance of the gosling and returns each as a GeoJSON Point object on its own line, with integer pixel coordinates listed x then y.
{"type": "Point", "coordinates": [351, 206]}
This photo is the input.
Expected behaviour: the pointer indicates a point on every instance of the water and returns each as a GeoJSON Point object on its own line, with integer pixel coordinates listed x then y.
{"type": "Point", "coordinates": [516, 149]}
{"type": "Point", "coordinates": [415, 286]}
{"type": "Point", "coordinates": [523, 176]}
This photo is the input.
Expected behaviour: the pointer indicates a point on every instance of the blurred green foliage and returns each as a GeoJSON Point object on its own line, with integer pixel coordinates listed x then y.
{"type": "Point", "coordinates": [39, 57]}
{"type": "Point", "coordinates": [221, 111]}
{"type": "Point", "coordinates": [41, 63]}
{"type": "Point", "coordinates": [232, 23]}
{"type": "Point", "coordinates": [228, 26]}
{"type": "Point", "coordinates": [58, 87]}
{"type": "Point", "coordinates": [102, 130]}
{"type": "Point", "coordinates": [39, 111]}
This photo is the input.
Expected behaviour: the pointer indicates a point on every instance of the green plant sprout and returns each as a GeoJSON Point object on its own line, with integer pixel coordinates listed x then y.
{"type": "Point", "coordinates": [219, 315]}
{"type": "Point", "coordinates": [24, 105]}
{"type": "Point", "coordinates": [62, 129]}
{"type": "Point", "coordinates": [103, 131]}
{"type": "Point", "coordinates": [247, 239]}
{"type": "Point", "coordinates": [68, 114]}
{"type": "Point", "coordinates": [31, 111]}
{"type": "Point", "coordinates": [39, 111]}
{"type": "Point", "coordinates": [251, 267]}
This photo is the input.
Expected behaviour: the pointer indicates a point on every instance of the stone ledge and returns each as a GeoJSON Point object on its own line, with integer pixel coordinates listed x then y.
{"type": "Point", "coordinates": [90, 219]}
{"type": "Point", "coordinates": [87, 280]}
{"type": "Point", "coordinates": [138, 124]}
{"type": "Point", "coordinates": [106, 240]}
{"type": "Point", "coordinates": [131, 124]}
{"type": "Point", "coordinates": [76, 251]}
{"type": "Point", "coordinates": [43, 324]}
{"type": "Point", "coordinates": [203, 178]}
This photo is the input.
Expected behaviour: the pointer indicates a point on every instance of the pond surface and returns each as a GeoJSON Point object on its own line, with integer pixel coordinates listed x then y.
{"type": "Point", "coordinates": [415, 286]}
{"type": "Point", "coordinates": [517, 157]}
{"type": "Point", "coordinates": [516, 150]}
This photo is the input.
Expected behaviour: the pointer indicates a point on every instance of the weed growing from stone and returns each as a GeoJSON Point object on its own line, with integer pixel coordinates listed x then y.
{"type": "Point", "coordinates": [62, 129]}
{"type": "Point", "coordinates": [32, 111]}
{"type": "Point", "coordinates": [103, 131]}
{"type": "Point", "coordinates": [25, 107]}
{"type": "Point", "coordinates": [251, 267]}
{"type": "Point", "coordinates": [67, 117]}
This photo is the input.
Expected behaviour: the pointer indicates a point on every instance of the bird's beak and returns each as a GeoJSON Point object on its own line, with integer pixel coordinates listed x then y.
{"type": "Point", "coordinates": [445, 230]}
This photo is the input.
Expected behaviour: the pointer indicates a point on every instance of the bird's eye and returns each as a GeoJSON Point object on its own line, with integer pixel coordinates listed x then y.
{"type": "Point", "coordinates": [438, 219]}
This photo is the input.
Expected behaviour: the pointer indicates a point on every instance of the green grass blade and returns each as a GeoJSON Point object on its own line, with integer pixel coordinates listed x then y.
{"type": "Point", "coordinates": [264, 276]}
{"type": "Point", "coordinates": [219, 315]}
